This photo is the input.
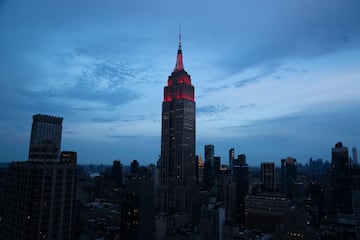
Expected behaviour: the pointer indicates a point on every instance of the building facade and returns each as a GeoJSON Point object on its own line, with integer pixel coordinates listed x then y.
{"type": "Point", "coordinates": [231, 158]}
{"type": "Point", "coordinates": [177, 164]}
{"type": "Point", "coordinates": [268, 176]}
{"type": "Point", "coordinates": [46, 128]}
{"type": "Point", "coordinates": [39, 201]}
{"type": "Point", "coordinates": [40, 193]}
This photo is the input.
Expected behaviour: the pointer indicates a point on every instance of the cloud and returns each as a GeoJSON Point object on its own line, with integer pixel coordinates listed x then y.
{"type": "Point", "coordinates": [104, 120]}
{"type": "Point", "coordinates": [123, 137]}
{"type": "Point", "coordinates": [211, 109]}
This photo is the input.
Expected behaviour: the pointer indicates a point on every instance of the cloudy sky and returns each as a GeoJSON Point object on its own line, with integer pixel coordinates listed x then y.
{"type": "Point", "coordinates": [272, 78]}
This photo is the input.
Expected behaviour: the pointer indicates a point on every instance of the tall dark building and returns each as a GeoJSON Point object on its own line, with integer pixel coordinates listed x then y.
{"type": "Point", "coordinates": [341, 179]}
{"type": "Point", "coordinates": [40, 193]}
{"type": "Point", "coordinates": [177, 164]}
{"type": "Point", "coordinates": [39, 201]}
{"type": "Point", "coordinates": [117, 173]}
{"type": "Point", "coordinates": [209, 160]}
{"type": "Point", "coordinates": [355, 156]}
{"type": "Point", "coordinates": [288, 175]}
{"type": "Point", "coordinates": [46, 128]}
{"type": "Point", "coordinates": [268, 176]}
{"type": "Point", "coordinates": [231, 158]}
{"type": "Point", "coordinates": [134, 167]}
{"type": "Point", "coordinates": [241, 178]}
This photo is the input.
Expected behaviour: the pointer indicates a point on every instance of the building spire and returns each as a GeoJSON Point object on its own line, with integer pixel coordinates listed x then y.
{"type": "Point", "coordinates": [179, 37]}
{"type": "Point", "coordinates": [179, 63]}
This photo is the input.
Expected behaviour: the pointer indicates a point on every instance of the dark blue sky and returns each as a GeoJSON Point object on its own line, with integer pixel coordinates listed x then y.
{"type": "Point", "coordinates": [272, 78]}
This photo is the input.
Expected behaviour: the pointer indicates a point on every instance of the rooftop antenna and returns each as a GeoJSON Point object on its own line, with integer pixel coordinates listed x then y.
{"type": "Point", "coordinates": [179, 37]}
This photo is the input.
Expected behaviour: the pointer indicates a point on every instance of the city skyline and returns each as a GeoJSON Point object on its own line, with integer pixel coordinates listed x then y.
{"type": "Point", "coordinates": [272, 79]}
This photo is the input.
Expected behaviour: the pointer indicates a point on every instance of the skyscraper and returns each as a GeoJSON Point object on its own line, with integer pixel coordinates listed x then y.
{"type": "Point", "coordinates": [40, 192]}
{"type": "Point", "coordinates": [268, 176]}
{"type": "Point", "coordinates": [341, 179]}
{"type": "Point", "coordinates": [288, 175]}
{"type": "Point", "coordinates": [355, 156]}
{"type": "Point", "coordinates": [46, 128]}
{"type": "Point", "coordinates": [241, 176]}
{"type": "Point", "coordinates": [231, 158]}
{"type": "Point", "coordinates": [177, 164]}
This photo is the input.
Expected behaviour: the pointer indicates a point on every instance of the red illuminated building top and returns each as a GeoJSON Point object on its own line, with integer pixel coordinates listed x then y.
{"type": "Point", "coordinates": [179, 63]}
{"type": "Point", "coordinates": [179, 83]}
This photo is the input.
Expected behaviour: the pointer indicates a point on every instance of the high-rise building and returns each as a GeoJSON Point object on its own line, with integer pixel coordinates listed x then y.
{"type": "Point", "coordinates": [355, 156]}
{"type": "Point", "coordinates": [209, 169]}
{"type": "Point", "coordinates": [46, 128]}
{"type": "Point", "coordinates": [209, 152]}
{"type": "Point", "coordinates": [341, 179]}
{"type": "Point", "coordinates": [39, 201]}
{"type": "Point", "coordinates": [137, 212]}
{"type": "Point", "coordinates": [231, 158]}
{"type": "Point", "coordinates": [241, 178]}
{"type": "Point", "coordinates": [134, 167]}
{"type": "Point", "coordinates": [356, 211]}
{"type": "Point", "coordinates": [177, 164]}
{"type": "Point", "coordinates": [212, 220]}
{"type": "Point", "coordinates": [117, 173]}
{"type": "Point", "coordinates": [288, 175]}
{"type": "Point", "coordinates": [200, 169]}
{"type": "Point", "coordinates": [40, 193]}
{"type": "Point", "coordinates": [268, 176]}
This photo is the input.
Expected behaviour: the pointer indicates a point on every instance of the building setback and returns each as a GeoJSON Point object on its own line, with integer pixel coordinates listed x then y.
{"type": "Point", "coordinates": [40, 193]}
{"type": "Point", "coordinates": [46, 128]}
{"type": "Point", "coordinates": [177, 163]}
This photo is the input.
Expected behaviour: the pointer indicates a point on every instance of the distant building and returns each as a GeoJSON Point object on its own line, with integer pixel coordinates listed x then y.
{"type": "Point", "coordinates": [356, 211]}
{"type": "Point", "coordinates": [268, 176]}
{"type": "Point", "coordinates": [137, 212]}
{"type": "Point", "coordinates": [46, 128]}
{"type": "Point", "coordinates": [212, 221]}
{"type": "Point", "coordinates": [217, 165]}
{"type": "Point", "coordinates": [265, 212]}
{"type": "Point", "coordinates": [134, 167]}
{"type": "Point", "coordinates": [117, 173]}
{"type": "Point", "coordinates": [230, 203]}
{"type": "Point", "coordinates": [200, 170]}
{"type": "Point", "coordinates": [295, 226]}
{"type": "Point", "coordinates": [355, 156]}
{"type": "Point", "coordinates": [341, 179]}
{"type": "Point", "coordinates": [288, 175]}
{"type": "Point", "coordinates": [231, 158]}
{"type": "Point", "coordinates": [241, 178]}
{"type": "Point", "coordinates": [298, 193]}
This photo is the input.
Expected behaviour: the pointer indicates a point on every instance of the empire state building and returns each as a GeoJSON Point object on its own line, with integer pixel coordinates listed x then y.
{"type": "Point", "coordinates": [177, 164]}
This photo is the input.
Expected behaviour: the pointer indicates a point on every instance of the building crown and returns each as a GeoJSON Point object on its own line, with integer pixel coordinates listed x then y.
{"type": "Point", "coordinates": [179, 63]}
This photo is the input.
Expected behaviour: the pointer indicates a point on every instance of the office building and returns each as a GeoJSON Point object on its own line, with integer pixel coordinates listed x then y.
{"type": "Point", "coordinates": [288, 175]}
{"type": "Point", "coordinates": [177, 163]}
{"type": "Point", "coordinates": [356, 211]}
{"type": "Point", "coordinates": [355, 156]}
{"type": "Point", "coordinates": [39, 200]}
{"type": "Point", "coordinates": [341, 179]}
{"type": "Point", "coordinates": [264, 212]}
{"type": "Point", "coordinates": [46, 128]}
{"type": "Point", "coordinates": [212, 220]}
{"type": "Point", "coordinates": [231, 158]}
{"type": "Point", "coordinates": [268, 176]}
{"type": "Point", "coordinates": [241, 178]}
{"type": "Point", "coordinates": [40, 193]}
